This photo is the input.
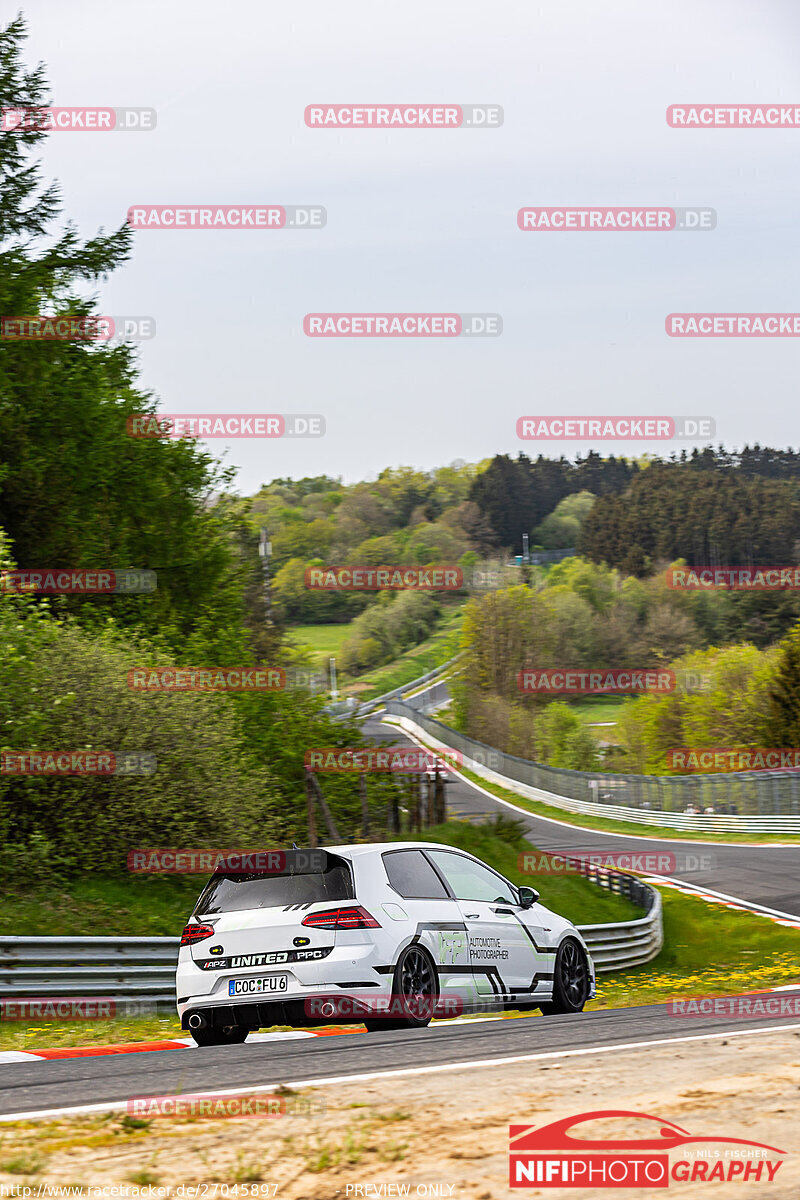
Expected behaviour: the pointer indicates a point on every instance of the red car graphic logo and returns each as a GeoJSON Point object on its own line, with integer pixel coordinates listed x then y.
{"type": "Point", "coordinates": [551, 1156]}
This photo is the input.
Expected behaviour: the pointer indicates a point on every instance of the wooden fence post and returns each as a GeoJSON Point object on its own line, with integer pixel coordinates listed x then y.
{"type": "Point", "coordinates": [362, 788]}
{"type": "Point", "coordinates": [312, 821]}
{"type": "Point", "coordinates": [326, 812]}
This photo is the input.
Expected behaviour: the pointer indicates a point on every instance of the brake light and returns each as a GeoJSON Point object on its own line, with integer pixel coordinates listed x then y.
{"type": "Point", "coordinates": [196, 933]}
{"type": "Point", "coordinates": [353, 917]}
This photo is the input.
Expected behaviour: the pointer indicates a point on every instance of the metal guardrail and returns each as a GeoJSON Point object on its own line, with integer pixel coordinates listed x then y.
{"type": "Point", "coordinates": [350, 707]}
{"type": "Point", "coordinates": [623, 944]}
{"type": "Point", "coordinates": [746, 801]}
{"type": "Point", "coordinates": [121, 969]}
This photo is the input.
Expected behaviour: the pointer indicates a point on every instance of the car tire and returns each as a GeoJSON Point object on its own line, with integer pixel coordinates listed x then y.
{"type": "Point", "coordinates": [570, 980]}
{"type": "Point", "coordinates": [414, 975]}
{"type": "Point", "coordinates": [220, 1035]}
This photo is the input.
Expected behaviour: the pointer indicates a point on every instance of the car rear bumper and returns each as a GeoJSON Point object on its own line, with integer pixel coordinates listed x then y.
{"type": "Point", "coordinates": [349, 969]}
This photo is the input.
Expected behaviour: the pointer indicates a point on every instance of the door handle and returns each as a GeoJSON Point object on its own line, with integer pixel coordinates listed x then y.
{"type": "Point", "coordinates": [472, 915]}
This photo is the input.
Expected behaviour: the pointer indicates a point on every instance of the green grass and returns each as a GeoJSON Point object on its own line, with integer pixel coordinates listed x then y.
{"type": "Point", "coordinates": [708, 950]}
{"type": "Point", "coordinates": [582, 821]}
{"type": "Point", "coordinates": [117, 1031]}
{"type": "Point", "coordinates": [100, 906]}
{"type": "Point", "coordinates": [323, 641]}
{"type": "Point", "coordinates": [594, 710]}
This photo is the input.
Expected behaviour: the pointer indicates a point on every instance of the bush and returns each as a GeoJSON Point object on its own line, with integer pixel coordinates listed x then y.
{"type": "Point", "coordinates": [70, 692]}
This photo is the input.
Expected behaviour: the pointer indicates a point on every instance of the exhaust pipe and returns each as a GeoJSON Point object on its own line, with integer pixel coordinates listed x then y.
{"type": "Point", "coordinates": [328, 1009]}
{"type": "Point", "coordinates": [197, 1021]}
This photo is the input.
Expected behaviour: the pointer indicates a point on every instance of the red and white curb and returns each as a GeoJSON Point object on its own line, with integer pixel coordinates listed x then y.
{"type": "Point", "coordinates": [13, 1056]}
{"type": "Point", "coordinates": [9, 1056]}
{"type": "Point", "coordinates": [776, 915]}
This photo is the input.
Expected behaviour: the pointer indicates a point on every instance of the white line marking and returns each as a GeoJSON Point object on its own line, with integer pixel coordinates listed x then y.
{"type": "Point", "coordinates": [121, 1105]}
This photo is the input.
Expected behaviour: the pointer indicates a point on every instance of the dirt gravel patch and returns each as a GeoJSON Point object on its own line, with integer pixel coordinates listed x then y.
{"type": "Point", "coordinates": [442, 1134]}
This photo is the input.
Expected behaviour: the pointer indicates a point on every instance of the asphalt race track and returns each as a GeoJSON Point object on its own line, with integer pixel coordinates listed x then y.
{"type": "Point", "coordinates": [759, 874]}
{"type": "Point", "coordinates": [37, 1087]}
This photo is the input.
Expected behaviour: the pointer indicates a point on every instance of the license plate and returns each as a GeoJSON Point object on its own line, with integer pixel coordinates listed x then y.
{"type": "Point", "coordinates": [258, 987]}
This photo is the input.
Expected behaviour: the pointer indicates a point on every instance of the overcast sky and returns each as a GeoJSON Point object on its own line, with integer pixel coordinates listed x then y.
{"type": "Point", "coordinates": [425, 221]}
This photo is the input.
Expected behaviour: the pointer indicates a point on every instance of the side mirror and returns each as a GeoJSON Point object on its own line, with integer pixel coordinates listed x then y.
{"type": "Point", "coordinates": [528, 897]}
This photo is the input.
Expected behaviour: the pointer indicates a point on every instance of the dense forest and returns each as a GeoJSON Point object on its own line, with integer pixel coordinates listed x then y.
{"type": "Point", "coordinates": [77, 492]}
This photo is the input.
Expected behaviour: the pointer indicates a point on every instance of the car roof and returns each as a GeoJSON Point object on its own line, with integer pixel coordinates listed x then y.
{"type": "Point", "coordinates": [362, 848]}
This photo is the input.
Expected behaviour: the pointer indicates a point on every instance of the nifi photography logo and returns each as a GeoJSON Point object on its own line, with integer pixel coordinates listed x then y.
{"type": "Point", "coordinates": [659, 1154]}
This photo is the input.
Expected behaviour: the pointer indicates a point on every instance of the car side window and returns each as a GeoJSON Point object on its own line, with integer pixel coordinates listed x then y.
{"type": "Point", "coordinates": [470, 880]}
{"type": "Point", "coordinates": [411, 875]}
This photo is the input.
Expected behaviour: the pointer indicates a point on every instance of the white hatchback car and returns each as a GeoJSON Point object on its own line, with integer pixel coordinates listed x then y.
{"type": "Point", "coordinates": [385, 934]}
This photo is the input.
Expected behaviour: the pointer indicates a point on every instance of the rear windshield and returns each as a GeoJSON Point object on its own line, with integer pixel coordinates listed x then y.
{"type": "Point", "coordinates": [231, 893]}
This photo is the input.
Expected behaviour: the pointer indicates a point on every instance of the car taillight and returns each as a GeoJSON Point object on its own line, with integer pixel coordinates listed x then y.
{"type": "Point", "coordinates": [354, 917]}
{"type": "Point", "coordinates": [196, 933]}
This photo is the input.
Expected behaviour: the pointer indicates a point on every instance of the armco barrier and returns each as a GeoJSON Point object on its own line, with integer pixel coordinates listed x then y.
{"type": "Point", "coordinates": [349, 708]}
{"type": "Point", "coordinates": [744, 802]}
{"type": "Point", "coordinates": [124, 969]}
{"type": "Point", "coordinates": [623, 943]}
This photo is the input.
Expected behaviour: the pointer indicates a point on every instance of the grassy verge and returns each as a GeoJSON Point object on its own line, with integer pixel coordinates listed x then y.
{"type": "Point", "coordinates": [708, 951]}
{"type": "Point", "coordinates": [100, 906]}
{"type": "Point", "coordinates": [582, 821]}
{"type": "Point", "coordinates": [117, 1031]}
{"type": "Point", "coordinates": [323, 641]}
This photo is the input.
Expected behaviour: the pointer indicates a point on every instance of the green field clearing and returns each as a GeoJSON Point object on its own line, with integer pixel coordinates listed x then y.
{"type": "Point", "coordinates": [323, 641]}
{"type": "Point", "coordinates": [596, 710]}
